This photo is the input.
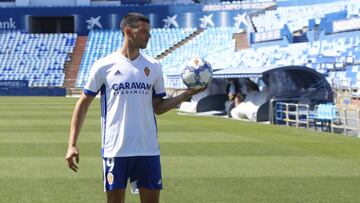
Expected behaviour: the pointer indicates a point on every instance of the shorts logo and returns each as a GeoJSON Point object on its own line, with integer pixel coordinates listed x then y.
{"type": "Point", "coordinates": [146, 71]}
{"type": "Point", "coordinates": [159, 182]}
{"type": "Point", "coordinates": [110, 178]}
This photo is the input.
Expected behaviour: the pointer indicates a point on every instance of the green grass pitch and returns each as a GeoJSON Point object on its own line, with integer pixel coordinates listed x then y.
{"type": "Point", "coordinates": [204, 159]}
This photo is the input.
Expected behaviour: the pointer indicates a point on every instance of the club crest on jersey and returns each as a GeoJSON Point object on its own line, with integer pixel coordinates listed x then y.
{"type": "Point", "coordinates": [146, 71]}
{"type": "Point", "coordinates": [110, 178]}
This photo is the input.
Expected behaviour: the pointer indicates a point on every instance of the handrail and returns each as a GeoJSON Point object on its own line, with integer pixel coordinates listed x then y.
{"type": "Point", "coordinates": [347, 120]}
{"type": "Point", "coordinates": [271, 106]}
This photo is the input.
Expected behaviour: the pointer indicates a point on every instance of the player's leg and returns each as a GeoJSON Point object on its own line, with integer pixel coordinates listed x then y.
{"type": "Point", "coordinates": [116, 196]}
{"type": "Point", "coordinates": [149, 182]}
{"type": "Point", "coordinates": [116, 174]}
{"type": "Point", "coordinates": [149, 196]}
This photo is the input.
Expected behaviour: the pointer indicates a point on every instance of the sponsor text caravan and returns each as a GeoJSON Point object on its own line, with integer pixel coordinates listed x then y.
{"type": "Point", "coordinates": [131, 88]}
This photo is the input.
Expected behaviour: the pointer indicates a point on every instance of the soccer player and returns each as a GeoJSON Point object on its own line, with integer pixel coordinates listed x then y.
{"type": "Point", "coordinates": [132, 91]}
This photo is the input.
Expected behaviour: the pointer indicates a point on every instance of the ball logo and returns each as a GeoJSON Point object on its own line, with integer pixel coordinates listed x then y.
{"type": "Point", "coordinates": [110, 178]}
{"type": "Point", "coordinates": [146, 71]}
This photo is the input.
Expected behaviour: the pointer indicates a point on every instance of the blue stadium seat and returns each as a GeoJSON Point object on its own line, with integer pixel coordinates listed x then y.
{"type": "Point", "coordinates": [325, 114]}
{"type": "Point", "coordinates": [32, 54]}
{"type": "Point", "coordinates": [103, 42]}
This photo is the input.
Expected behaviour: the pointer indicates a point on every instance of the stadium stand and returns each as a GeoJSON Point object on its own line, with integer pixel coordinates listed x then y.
{"type": "Point", "coordinates": [332, 56]}
{"type": "Point", "coordinates": [221, 40]}
{"type": "Point", "coordinates": [325, 38]}
{"type": "Point", "coordinates": [102, 43]}
{"type": "Point", "coordinates": [38, 58]}
{"type": "Point", "coordinates": [276, 19]}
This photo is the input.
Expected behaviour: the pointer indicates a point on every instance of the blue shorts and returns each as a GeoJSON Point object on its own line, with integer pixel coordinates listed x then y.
{"type": "Point", "coordinates": [145, 170]}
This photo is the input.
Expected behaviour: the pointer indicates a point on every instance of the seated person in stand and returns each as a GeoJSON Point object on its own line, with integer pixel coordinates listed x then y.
{"type": "Point", "coordinates": [238, 99]}
{"type": "Point", "coordinates": [247, 109]}
{"type": "Point", "coordinates": [232, 89]}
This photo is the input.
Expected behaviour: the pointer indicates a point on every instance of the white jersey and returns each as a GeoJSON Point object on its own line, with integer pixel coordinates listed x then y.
{"type": "Point", "coordinates": [127, 117]}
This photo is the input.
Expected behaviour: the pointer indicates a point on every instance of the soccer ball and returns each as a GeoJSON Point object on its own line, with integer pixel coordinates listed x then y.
{"type": "Point", "coordinates": [197, 73]}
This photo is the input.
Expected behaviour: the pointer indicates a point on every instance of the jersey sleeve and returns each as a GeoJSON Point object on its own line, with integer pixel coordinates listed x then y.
{"type": "Point", "coordinates": [159, 88]}
{"type": "Point", "coordinates": [95, 81]}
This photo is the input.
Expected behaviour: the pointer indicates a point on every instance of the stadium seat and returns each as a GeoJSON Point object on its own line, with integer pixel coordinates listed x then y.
{"type": "Point", "coordinates": [103, 42]}
{"type": "Point", "coordinates": [325, 114]}
{"type": "Point", "coordinates": [26, 55]}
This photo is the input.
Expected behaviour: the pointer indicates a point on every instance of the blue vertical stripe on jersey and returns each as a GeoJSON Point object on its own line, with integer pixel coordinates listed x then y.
{"type": "Point", "coordinates": [155, 123]}
{"type": "Point", "coordinates": [103, 116]}
{"type": "Point", "coordinates": [160, 95]}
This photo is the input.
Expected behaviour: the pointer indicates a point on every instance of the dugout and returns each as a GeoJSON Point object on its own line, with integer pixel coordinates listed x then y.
{"type": "Point", "coordinates": [297, 84]}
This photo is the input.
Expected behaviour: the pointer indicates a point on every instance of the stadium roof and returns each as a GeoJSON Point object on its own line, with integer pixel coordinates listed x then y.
{"type": "Point", "coordinates": [258, 72]}
{"type": "Point", "coordinates": [241, 72]}
{"type": "Point", "coordinates": [289, 80]}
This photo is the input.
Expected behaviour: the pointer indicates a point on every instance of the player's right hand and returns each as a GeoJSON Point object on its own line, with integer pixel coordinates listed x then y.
{"type": "Point", "coordinates": [72, 153]}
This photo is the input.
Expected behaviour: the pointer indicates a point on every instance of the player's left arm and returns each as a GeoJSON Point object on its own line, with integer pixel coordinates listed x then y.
{"type": "Point", "coordinates": [162, 105]}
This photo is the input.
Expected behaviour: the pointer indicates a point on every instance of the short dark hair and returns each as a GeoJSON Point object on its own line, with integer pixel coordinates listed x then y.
{"type": "Point", "coordinates": [131, 19]}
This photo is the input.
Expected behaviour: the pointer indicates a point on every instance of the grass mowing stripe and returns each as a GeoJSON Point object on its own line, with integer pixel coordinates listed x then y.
{"type": "Point", "coordinates": [190, 190]}
{"type": "Point", "coordinates": [45, 149]}
{"type": "Point", "coordinates": [70, 190]}
{"type": "Point", "coordinates": [267, 190]}
{"type": "Point", "coordinates": [193, 167]}
{"type": "Point", "coordinates": [204, 159]}
{"type": "Point", "coordinates": [48, 115]}
{"type": "Point", "coordinates": [43, 122]}
{"type": "Point", "coordinates": [258, 166]}
{"type": "Point", "coordinates": [45, 137]}
{"type": "Point", "coordinates": [228, 149]}
{"type": "Point", "coordinates": [176, 137]}
{"type": "Point", "coordinates": [49, 167]}
{"type": "Point", "coordinates": [167, 149]}
{"type": "Point", "coordinates": [48, 128]}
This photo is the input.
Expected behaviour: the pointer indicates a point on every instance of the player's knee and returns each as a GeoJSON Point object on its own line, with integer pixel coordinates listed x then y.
{"type": "Point", "coordinates": [149, 196]}
{"type": "Point", "coordinates": [115, 196]}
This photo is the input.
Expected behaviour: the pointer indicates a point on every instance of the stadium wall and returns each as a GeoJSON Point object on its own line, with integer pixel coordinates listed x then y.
{"type": "Point", "coordinates": [56, 91]}
{"type": "Point", "coordinates": [338, 23]}
{"type": "Point", "coordinates": [100, 17]}
{"type": "Point", "coordinates": [285, 3]}
{"type": "Point", "coordinates": [21, 88]}
{"type": "Point", "coordinates": [282, 37]}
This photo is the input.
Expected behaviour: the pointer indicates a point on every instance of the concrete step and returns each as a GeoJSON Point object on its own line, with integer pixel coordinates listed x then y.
{"type": "Point", "coordinates": [179, 44]}
{"type": "Point", "coordinates": [72, 67]}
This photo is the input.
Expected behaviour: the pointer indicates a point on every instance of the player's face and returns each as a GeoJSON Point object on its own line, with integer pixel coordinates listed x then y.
{"type": "Point", "coordinates": [140, 35]}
